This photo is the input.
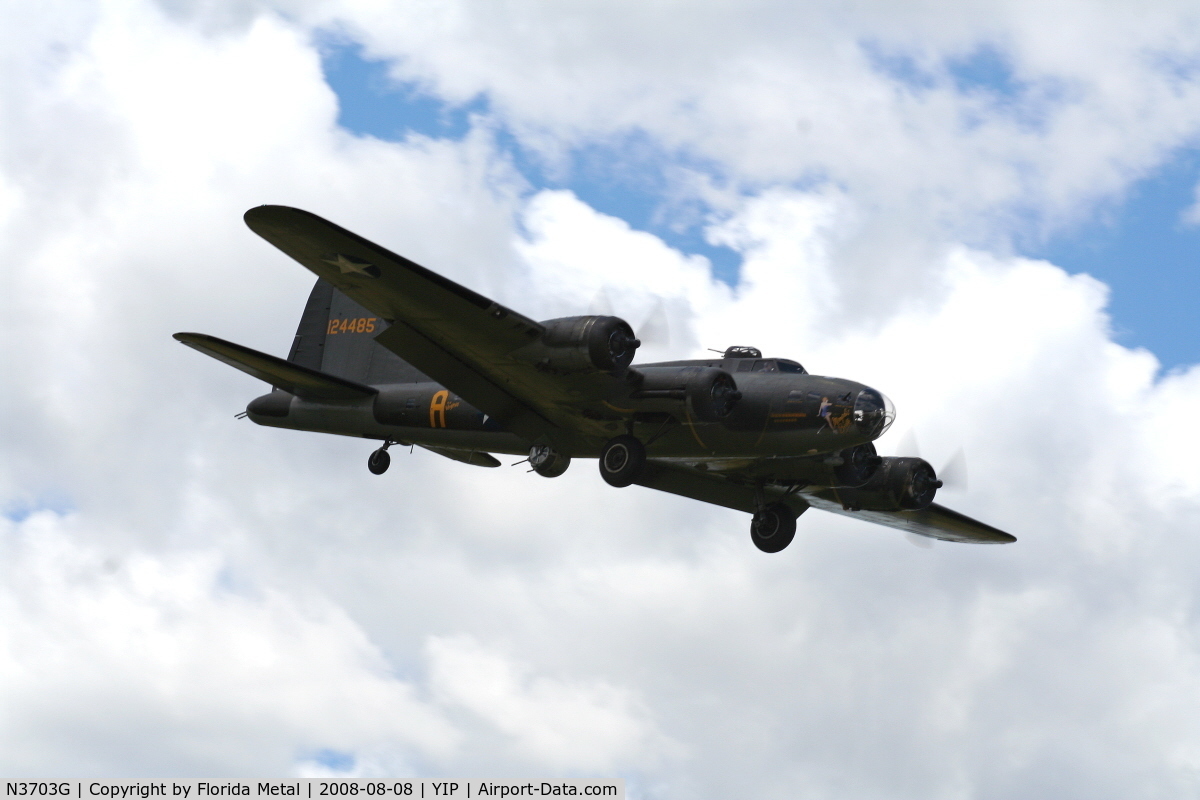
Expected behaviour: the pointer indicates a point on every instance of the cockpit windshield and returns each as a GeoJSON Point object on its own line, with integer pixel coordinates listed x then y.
{"type": "Point", "coordinates": [790, 366]}
{"type": "Point", "coordinates": [873, 413]}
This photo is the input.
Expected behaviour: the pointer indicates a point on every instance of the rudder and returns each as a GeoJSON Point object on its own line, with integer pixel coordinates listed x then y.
{"type": "Point", "coordinates": [309, 344]}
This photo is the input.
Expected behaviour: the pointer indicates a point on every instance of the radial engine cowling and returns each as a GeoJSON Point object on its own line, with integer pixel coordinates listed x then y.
{"type": "Point", "coordinates": [845, 470]}
{"type": "Point", "coordinates": [899, 483]}
{"type": "Point", "coordinates": [583, 344]}
{"type": "Point", "coordinates": [707, 393]}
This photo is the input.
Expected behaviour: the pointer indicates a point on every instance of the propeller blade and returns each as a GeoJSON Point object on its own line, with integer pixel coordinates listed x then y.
{"type": "Point", "coordinates": [917, 540]}
{"type": "Point", "coordinates": [907, 448]}
{"type": "Point", "coordinates": [954, 473]}
{"type": "Point", "coordinates": [601, 305]}
{"type": "Point", "coordinates": [655, 331]}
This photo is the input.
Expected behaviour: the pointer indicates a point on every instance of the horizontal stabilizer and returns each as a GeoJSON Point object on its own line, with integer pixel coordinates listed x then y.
{"type": "Point", "coordinates": [304, 382]}
{"type": "Point", "coordinates": [473, 457]}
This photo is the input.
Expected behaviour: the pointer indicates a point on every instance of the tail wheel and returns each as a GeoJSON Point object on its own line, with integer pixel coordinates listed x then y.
{"type": "Point", "coordinates": [773, 528]}
{"type": "Point", "coordinates": [622, 460]}
{"type": "Point", "coordinates": [379, 461]}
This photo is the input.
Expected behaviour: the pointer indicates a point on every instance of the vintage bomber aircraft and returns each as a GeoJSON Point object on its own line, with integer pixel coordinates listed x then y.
{"type": "Point", "coordinates": [389, 350]}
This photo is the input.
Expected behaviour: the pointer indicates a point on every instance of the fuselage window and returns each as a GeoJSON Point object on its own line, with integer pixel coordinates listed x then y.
{"type": "Point", "coordinates": [744, 365]}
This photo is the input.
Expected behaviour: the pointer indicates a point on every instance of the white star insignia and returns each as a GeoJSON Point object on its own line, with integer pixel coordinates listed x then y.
{"type": "Point", "coordinates": [349, 264]}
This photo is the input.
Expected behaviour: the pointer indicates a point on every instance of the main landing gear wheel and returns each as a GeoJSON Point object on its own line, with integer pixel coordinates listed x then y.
{"type": "Point", "coordinates": [379, 461]}
{"type": "Point", "coordinates": [622, 460]}
{"type": "Point", "coordinates": [773, 528]}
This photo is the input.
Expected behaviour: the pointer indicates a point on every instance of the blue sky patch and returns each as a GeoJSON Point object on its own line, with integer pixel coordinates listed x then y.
{"type": "Point", "coordinates": [899, 66]}
{"type": "Point", "coordinates": [371, 103]}
{"type": "Point", "coordinates": [625, 178]}
{"type": "Point", "coordinates": [986, 69]}
{"type": "Point", "coordinates": [1150, 258]}
{"type": "Point", "coordinates": [628, 178]}
{"type": "Point", "coordinates": [333, 759]}
{"type": "Point", "coordinates": [986, 73]}
{"type": "Point", "coordinates": [21, 509]}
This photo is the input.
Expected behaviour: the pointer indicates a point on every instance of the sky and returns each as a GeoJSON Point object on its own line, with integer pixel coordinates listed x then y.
{"type": "Point", "coordinates": [985, 210]}
{"type": "Point", "coordinates": [1143, 240]}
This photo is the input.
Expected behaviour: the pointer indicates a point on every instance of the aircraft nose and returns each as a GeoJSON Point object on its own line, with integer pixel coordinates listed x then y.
{"type": "Point", "coordinates": [873, 412]}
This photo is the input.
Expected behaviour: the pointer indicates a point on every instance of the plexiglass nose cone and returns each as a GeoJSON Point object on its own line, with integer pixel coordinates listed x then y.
{"type": "Point", "coordinates": [873, 413]}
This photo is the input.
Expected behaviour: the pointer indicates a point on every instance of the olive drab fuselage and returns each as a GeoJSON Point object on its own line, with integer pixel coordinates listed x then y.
{"type": "Point", "coordinates": [778, 414]}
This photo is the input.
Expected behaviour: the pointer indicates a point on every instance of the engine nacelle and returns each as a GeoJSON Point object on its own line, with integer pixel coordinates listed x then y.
{"type": "Point", "coordinates": [853, 467]}
{"type": "Point", "coordinates": [899, 483]}
{"type": "Point", "coordinates": [708, 393]}
{"type": "Point", "coordinates": [582, 344]}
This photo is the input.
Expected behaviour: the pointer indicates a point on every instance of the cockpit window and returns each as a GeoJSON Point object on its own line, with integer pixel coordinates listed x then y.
{"type": "Point", "coordinates": [770, 365]}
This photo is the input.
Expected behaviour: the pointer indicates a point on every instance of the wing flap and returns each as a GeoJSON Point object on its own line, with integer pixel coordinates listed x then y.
{"type": "Point", "coordinates": [709, 488]}
{"type": "Point", "coordinates": [301, 381]}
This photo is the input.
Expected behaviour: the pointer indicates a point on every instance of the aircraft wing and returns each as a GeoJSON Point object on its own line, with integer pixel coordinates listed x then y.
{"type": "Point", "coordinates": [937, 522]}
{"type": "Point", "coordinates": [459, 338]}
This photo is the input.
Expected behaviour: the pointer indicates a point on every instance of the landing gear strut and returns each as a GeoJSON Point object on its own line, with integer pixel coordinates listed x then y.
{"type": "Point", "coordinates": [622, 460]}
{"type": "Point", "coordinates": [379, 461]}
{"type": "Point", "coordinates": [773, 528]}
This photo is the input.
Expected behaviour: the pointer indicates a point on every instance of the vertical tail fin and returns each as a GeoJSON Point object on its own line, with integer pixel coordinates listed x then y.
{"type": "Point", "coordinates": [337, 336]}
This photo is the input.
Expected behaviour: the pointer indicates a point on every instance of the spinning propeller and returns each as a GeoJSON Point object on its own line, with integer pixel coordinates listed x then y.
{"type": "Point", "coordinates": [655, 330]}
{"type": "Point", "coordinates": [953, 476]}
